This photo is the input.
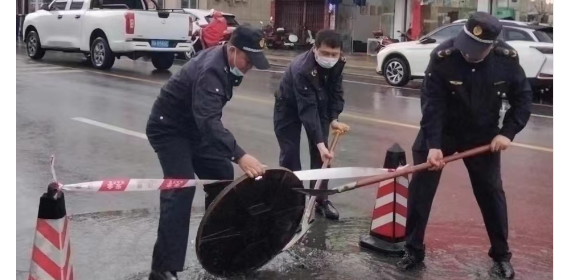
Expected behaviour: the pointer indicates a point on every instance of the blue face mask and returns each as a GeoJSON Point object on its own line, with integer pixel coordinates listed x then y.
{"type": "Point", "coordinates": [235, 71]}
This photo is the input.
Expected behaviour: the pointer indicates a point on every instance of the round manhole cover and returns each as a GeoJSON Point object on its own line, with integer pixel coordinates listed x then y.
{"type": "Point", "coordinates": [249, 223]}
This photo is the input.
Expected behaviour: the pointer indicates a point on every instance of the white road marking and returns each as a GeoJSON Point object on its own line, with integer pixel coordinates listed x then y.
{"type": "Point", "coordinates": [532, 115]}
{"type": "Point", "coordinates": [348, 81]}
{"type": "Point", "coordinates": [270, 71]}
{"type": "Point", "coordinates": [407, 97]}
{"type": "Point", "coordinates": [362, 118]}
{"type": "Point", "coordinates": [52, 72]}
{"type": "Point", "coordinates": [33, 65]}
{"type": "Point", "coordinates": [543, 105]}
{"type": "Point", "coordinates": [260, 100]}
{"type": "Point", "coordinates": [42, 69]}
{"type": "Point", "coordinates": [111, 127]}
{"type": "Point", "coordinates": [380, 85]}
{"type": "Point", "coordinates": [541, 116]}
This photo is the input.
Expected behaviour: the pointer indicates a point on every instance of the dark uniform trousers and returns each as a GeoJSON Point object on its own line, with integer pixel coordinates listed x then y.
{"type": "Point", "coordinates": [180, 158]}
{"type": "Point", "coordinates": [485, 175]}
{"type": "Point", "coordinates": [288, 131]}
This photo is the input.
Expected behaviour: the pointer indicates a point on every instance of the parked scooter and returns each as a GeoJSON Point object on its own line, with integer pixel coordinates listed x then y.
{"type": "Point", "coordinates": [196, 45]}
{"type": "Point", "coordinates": [310, 40]}
{"type": "Point", "coordinates": [268, 33]}
{"type": "Point", "coordinates": [285, 40]}
{"type": "Point", "coordinates": [278, 38]}
{"type": "Point", "coordinates": [382, 40]}
{"type": "Point", "coordinates": [405, 37]}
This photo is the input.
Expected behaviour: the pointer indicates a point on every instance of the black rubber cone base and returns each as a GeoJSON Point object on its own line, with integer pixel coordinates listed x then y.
{"type": "Point", "coordinates": [395, 157]}
{"type": "Point", "coordinates": [384, 247]}
{"type": "Point", "coordinates": [249, 223]}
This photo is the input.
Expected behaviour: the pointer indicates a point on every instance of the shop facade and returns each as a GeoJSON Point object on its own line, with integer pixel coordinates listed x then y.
{"type": "Point", "coordinates": [298, 16]}
{"type": "Point", "coordinates": [356, 20]}
{"type": "Point", "coordinates": [356, 23]}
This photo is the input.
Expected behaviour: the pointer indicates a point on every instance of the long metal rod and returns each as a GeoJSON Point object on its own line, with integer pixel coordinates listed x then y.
{"type": "Point", "coordinates": [310, 209]}
{"type": "Point", "coordinates": [391, 175]}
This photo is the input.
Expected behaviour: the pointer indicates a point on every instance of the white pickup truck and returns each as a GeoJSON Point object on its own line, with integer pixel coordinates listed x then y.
{"type": "Point", "coordinates": [107, 29]}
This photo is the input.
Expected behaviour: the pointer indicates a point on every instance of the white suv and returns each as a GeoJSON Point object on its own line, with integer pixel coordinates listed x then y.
{"type": "Point", "coordinates": [523, 31]}
{"type": "Point", "coordinates": [401, 62]}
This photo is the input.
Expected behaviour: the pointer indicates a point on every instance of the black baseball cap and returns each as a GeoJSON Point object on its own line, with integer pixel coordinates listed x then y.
{"type": "Point", "coordinates": [479, 32]}
{"type": "Point", "coordinates": [251, 41]}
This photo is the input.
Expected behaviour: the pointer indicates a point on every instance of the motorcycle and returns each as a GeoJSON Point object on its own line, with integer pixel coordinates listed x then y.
{"type": "Point", "coordinates": [310, 40]}
{"type": "Point", "coordinates": [198, 45]}
{"type": "Point", "coordinates": [382, 41]}
{"type": "Point", "coordinates": [405, 37]}
{"type": "Point", "coordinates": [268, 33]}
{"type": "Point", "coordinates": [278, 38]}
{"type": "Point", "coordinates": [288, 40]}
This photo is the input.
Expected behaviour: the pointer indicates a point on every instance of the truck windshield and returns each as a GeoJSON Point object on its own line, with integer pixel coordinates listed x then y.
{"type": "Point", "coordinates": [132, 4]}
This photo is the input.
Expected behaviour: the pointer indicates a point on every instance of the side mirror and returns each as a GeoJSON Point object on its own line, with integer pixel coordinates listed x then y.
{"type": "Point", "coordinates": [45, 7]}
{"type": "Point", "coordinates": [427, 40]}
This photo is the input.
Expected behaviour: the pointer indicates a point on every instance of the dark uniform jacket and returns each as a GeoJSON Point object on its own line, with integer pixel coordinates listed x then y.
{"type": "Point", "coordinates": [314, 92]}
{"type": "Point", "coordinates": [190, 104]}
{"type": "Point", "coordinates": [464, 99]}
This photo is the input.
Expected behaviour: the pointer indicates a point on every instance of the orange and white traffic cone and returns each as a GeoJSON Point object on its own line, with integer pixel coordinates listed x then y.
{"type": "Point", "coordinates": [51, 254]}
{"type": "Point", "coordinates": [388, 226]}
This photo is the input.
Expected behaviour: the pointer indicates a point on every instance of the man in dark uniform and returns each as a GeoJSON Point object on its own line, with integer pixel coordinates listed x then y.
{"type": "Point", "coordinates": [185, 130]}
{"type": "Point", "coordinates": [461, 100]}
{"type": "Point", "coordinates": [310, 94]}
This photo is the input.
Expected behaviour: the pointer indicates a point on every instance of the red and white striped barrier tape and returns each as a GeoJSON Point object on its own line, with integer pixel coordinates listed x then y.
{"type": "Point", "coordinates": [129, 185]}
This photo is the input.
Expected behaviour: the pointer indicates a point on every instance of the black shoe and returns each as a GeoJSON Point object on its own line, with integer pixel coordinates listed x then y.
{"type": "Point", "coordinates": [410, 260]}
{"type": "Point", "coordinates": [326, 209]}
{"type": "Point", "coordinates": [504, 269]}
{"type": "Point", "coordinates": [155, 275]}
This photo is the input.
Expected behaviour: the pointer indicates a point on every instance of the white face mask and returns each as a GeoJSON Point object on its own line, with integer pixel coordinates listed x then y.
{"type": "Point", "coordinates": [234, 69]}
{"type": "Point", "coordinates": [325, 62]}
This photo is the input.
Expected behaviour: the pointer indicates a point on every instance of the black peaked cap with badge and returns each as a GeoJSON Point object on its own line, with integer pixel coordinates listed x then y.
{"type": "Point", "coordinates": [251, 41]}
{"type": "Point", "coordinates": [479, 33]}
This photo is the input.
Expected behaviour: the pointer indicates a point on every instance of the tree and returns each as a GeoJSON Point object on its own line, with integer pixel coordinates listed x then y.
{"type": "Point", "coordinates": [543, 9]}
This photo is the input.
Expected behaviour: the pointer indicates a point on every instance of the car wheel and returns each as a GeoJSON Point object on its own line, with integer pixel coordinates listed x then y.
{"type": "Point", "coordinates": [34, 46]}
{"type": "Point", "coordinates": [101, 55]}
{"type": "Point", "coordinates": [162, 61]}
{"type": "Point", "coordinates": [396, 72]}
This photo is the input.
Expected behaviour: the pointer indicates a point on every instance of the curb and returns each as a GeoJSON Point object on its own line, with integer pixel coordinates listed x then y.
{"type": "Point", "coordinates": [348, 69]}
{"type": "Point", "coordinates": [284, 62]}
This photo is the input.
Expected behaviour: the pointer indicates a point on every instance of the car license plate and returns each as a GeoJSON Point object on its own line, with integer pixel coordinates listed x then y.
{"type": "Point", "coordinates": [159, 43]}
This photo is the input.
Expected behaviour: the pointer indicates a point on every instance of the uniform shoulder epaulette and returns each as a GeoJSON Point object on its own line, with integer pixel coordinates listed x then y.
{"type": "Point", "coordinates": [506, 52]}
{"type": "Point", "coordinates": [445, 53]}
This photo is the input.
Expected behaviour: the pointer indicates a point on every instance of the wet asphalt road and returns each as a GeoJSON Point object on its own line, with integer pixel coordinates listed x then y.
{"type": "Point", "coordinates": [112, 234]}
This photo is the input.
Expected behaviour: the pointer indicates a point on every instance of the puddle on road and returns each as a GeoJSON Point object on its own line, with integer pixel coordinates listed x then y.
{"type": "Point", "coordinates": [118, 245]}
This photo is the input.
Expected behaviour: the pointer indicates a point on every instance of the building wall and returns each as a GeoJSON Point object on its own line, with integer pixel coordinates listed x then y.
{"type": "Point", "coordinates": [172, 4]}
{"type": "Point", "coordinates": [246, 11]}
{"type": "Point", "coordinates": [358, 23]}
{"type": "Point", "coordinates": [401, 17]}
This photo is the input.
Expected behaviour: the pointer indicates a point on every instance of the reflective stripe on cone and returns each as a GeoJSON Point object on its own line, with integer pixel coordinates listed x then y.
{"type": "Point", "coordinates": [390, 210]}
{"type": "Point", "coordinates": [51, 252]}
